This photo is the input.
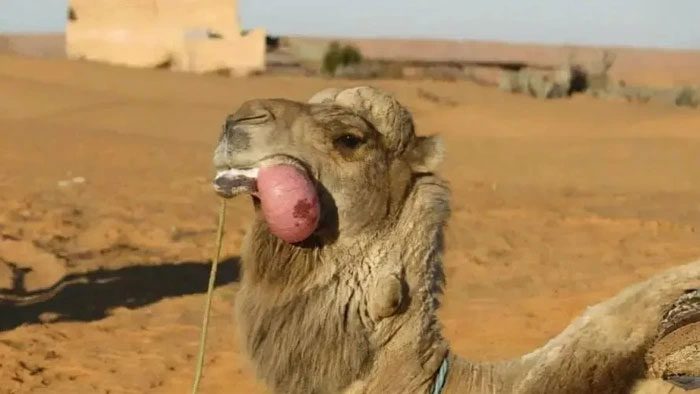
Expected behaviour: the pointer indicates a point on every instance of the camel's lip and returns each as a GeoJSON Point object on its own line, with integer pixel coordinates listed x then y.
{"type": "Point", "coordinates": [234, 180]}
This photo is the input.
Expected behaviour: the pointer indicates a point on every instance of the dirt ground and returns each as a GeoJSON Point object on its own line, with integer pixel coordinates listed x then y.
{"type": "Point", "coordinates": [104, 178]}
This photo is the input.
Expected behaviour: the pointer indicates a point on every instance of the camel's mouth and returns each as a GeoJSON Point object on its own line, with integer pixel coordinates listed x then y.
{"type": "Point", "coordinates": [285, 192]}
{"type": "Point", "coordinates": [232, 181]}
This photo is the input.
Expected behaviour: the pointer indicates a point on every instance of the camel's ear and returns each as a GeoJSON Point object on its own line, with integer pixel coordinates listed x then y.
{"type": "Point", "coordinates": [426, 154]}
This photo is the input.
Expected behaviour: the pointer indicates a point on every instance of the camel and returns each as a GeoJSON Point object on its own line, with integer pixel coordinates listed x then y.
{"type": "Point", "coordinates": [342, 266]}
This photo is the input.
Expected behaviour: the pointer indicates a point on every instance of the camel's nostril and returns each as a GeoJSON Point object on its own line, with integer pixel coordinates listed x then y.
{"type": "Point", "coordinates": [249, 114]}
{"type": "Point", "coordinates": [255, 119]}
{"type": "Point", "coordinates": [240, 125]}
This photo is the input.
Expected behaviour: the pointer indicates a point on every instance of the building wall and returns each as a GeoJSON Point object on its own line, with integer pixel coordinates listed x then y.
{"type": "Point", "coordinates": [187, 35]}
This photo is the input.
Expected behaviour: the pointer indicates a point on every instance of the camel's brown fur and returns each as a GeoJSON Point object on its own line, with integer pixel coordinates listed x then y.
{"type": "Point", "coordinates": [353, 308]}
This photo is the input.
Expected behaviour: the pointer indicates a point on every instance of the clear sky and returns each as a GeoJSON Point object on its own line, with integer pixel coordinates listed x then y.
{"type": "Point", "coordinates": [655, 23]}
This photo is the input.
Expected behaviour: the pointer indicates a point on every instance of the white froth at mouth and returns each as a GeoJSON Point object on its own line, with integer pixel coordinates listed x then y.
{"type": "Point", "coordinates": [231, 182]}
{"type": "Point", "coordinates": [235, 173]}
{"type": "Point", "coordinates": [234, 181]}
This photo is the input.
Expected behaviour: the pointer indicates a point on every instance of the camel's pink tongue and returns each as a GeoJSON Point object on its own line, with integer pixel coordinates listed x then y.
{"type": "Point", "coordinates": [289, 202]}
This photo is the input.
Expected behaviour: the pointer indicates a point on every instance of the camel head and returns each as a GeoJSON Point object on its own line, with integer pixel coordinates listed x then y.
{"type": "Point", "coordinates": [348, 210]}
{"type": "Point", "coordinates": [327, 170]}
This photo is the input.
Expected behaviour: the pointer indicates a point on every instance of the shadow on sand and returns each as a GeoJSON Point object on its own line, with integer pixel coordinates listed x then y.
{"type": "Point", "coordinates": [90, 296]}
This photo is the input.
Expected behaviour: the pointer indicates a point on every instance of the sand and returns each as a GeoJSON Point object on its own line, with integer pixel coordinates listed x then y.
{"type": "Point", "coordinates": [105, 178]}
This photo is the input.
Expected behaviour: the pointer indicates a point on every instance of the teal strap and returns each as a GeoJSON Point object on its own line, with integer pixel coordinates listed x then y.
{"type": "Point", "coordinates": [440, 378]}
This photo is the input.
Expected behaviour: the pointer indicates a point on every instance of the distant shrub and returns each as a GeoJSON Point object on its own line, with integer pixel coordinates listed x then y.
{"type": "Point", "coordinates": [509, 81]}
{"type": "Point", "coordinates": [598, 74]}
{"type": "Point", "coordinates": [272, 42]}
{"type": "Point", "coordinates": [543, 84]}
{"type": "Point", "coordinates": [338, 56]}
{"type": "Point", "coordinates": [688, 97]}
{"type": "Point", "coordinates": [72, 16]}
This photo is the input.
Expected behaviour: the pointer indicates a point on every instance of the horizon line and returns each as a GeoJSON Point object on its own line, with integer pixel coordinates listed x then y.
{"type": "Point", "coordinates": [390, 37]}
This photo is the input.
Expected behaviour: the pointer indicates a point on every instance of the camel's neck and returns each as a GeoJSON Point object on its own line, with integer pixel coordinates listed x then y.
{"type": "Point", "coordinates": [269, 261]}
{"type": "Point", "coordinates": [357, 316]}
{"type": "Point", "coordinates": [464, 376]}
{"type": "Point", "coordinates": [323, 333]}
{"type": "Point", "coordinates": [398, 370]}
{"type": "Point", "coordinates": [302, 314]}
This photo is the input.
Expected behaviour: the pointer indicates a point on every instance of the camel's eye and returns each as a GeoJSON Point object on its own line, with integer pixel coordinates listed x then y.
{"type": "Point", "coordinates": [348, 141]}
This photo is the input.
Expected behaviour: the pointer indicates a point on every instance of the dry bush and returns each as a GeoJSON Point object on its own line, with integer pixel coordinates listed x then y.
{"type": "Point", "coordinates": [338, 56]}
{"type": "Point", "coordinates": [544, 84]}
{"type": "Point", "coordinates": [595, 80]}
{"type": "Point", "coordinates": [509, 81]}
{"type": "Point", "coordinates": [688, 97]}
{"type": "Point", "coordinates": [680, 97]}
{"type": "Point", "coordinates": [598, 74]}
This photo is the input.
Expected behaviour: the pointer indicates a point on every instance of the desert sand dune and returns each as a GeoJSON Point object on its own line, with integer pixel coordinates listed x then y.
{"type": "Point", "coordinates": [105, 178]}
